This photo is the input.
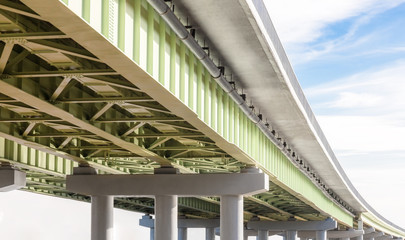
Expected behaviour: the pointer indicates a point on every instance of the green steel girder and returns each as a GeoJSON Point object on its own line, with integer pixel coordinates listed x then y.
{"type": "Point", "coordinates": [102, 117]}
{"type": "Point", "coordinates": [46, 178]}
{"type": "Point", "coordinates": [43, 174]}
{"type": "Point", "coordinates": [170, 63]}
{"type": "Point", "coordinates": [106, 100]}
{"type": "Point", "coordinates": [63, 73]}
{"type": "Point", "coordinates": [32, 36]}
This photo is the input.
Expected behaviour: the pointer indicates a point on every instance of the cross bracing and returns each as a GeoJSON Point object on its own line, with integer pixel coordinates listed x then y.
{"type": "Point", "coordinates": [93, 146]}
{"type": "Point", "coordinates": [73, 107]}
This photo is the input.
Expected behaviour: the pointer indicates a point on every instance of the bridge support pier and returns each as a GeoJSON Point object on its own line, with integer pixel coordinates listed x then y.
{"type": "Point", "coordinates": [360, 227]}
{"type": "Point", "coordinates": [290, 235]}
{"type": "Point", "coordinates": [308, 229]}
{"type": "Point", "coordinates": [321, 235]}
{"type": "Point", "coordinates": [262, 235]}
{"type": "Point", "coordinates": [231, 217]}
{"type": "Point", "coordinates": [102, 226]}
{"type": "Point", "coordinates": [340, 234]}
{"type": "Point", "coordinates": [371, 234]}
{"type": "Point", "coordinates": [166, 185]}
{"type": "Point", "coordinates": [183, 225]}
{"type": "Point", "coordinates": [166, 217]}
{"type": "Point", "coordinates": [182, 233]}
{"type": "Point", "coordinates": [209, 233]}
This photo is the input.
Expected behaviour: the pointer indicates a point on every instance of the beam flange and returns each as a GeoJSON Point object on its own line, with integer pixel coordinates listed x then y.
{"type": "Point", "coordinates": [106, 99]}
{"type": "Point", "coordinates": [140, 119]}
{"type": "Point", "coordinates": [73, 73]}
{"type": "Point", "coordinates": [33, 35]}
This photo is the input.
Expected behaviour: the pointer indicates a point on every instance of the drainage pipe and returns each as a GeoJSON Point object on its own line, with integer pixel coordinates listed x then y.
{"type": "Point", "coordinates": [170, 18]}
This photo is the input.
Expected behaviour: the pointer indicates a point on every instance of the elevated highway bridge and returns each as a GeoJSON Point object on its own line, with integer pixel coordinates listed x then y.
{"type": "Point", "coordinates": [136, 87]}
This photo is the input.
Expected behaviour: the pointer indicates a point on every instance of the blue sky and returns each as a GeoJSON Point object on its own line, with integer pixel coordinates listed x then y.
{"type": "Point", "coordinates": [349, 58]}
{"type": "Point", "coordinates": [366, 41]}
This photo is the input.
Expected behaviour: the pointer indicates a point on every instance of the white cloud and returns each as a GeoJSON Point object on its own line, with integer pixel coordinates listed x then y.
{"type": "Point", "coordinates": [362, 115]}
{"type": "Point", "coordinates": [381, 189]}
{"type": "Point", "coordinates": [304, 28]}
{"type": "Point", "coordinates": [363, 119]}
{"type": "Point", "coordinates": [363, 112]}
{"type": "Point", "coordinates": [352, 100]}
{"type": "Point", "coordinates": [375, 92]}
{"type": "Point", "coordinates": [303, 21]}
{"type": "Point", "coordinates": [362, 135]}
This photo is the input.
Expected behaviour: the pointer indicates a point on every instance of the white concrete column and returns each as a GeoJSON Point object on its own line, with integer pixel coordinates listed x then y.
{"type": "Point", "coordinates": [182, 233]}
{"type": "Point", "coordinates": [262, 235]}
{"type": "Point", "coordinates": [360, 227]}
{"type": "Point", "coordinates": [102, 226]}
{"type": "Point", "coordinates": [290, 235]}
{"type": "Point", "coordinates": [231, 217]}
{"type": "Point", "coordinates": [321, 235]}
{"type": "Point", "coordinates": [166, 217]}
{"type": "Point", "coordinates": [210, 234]}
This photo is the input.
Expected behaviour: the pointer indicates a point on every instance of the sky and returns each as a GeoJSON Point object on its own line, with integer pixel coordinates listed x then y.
{"type": "Point", "coordinates": [349, 58]}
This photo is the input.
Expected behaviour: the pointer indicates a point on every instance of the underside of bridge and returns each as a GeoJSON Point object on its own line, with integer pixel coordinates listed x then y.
{"type": "Point", "coordinates": [67, 99]}
{"type": "Point", "coordinates": [54, 90]}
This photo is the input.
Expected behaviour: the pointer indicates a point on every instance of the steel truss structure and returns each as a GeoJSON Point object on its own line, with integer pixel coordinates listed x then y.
{"type": "Point", "coordinates": [63, 106]}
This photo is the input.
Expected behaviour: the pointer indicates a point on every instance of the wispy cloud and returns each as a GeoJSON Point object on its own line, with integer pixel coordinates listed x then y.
{"type": "Point", "coordinates": [350, 53]}
{"type": "Point", "coordinates": [363, 118]}
{"type": "Point", "coordinates": [366, 104]}
{"type": "Point", "coordinates": [309, 33]}
{"type": "Point", "coordinates": [372, 92]}
{"type": "Point", "coordinates": [307, 19]}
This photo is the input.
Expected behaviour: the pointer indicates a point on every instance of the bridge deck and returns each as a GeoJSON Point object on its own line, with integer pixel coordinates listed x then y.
{"type": "Point", "coordinates": [122, 94]}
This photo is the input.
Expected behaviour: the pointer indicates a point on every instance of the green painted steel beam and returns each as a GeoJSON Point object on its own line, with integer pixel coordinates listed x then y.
{"type": "Point", "coordinates": [86, 10]}
{"type": "Point", "coordinates": [33, 35]}
{"type": "Point", "coordinates": [105, 100]}
{"type": "Point", "coordinates": [158, 51]}
{"type": "Point", "coordinates": [105, 19]}
{"type": "Point", "coordinates": [43, 74]}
